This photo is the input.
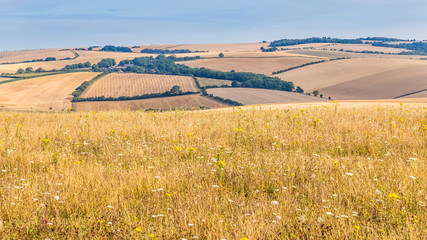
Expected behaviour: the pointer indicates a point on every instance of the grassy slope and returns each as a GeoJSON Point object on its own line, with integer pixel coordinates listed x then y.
{"type": "Point", "coordinates": [293, 172]}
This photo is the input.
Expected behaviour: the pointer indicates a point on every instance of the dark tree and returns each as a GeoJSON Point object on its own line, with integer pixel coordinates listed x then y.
{"type": "Point", "coordinates": [299, 89]}
{"type": "Point", "coordinates": [315, 93]}
{"type": "Point", "coordinates": [221, 55]}
{"type": "Point", "coordinates": [29, 70]}
{"type": "Point", "coordinates": [20, 71]}
{"type": "Point", "coordinates": [40, 70]}
{"type": "Point", "coordinates": [175, 90]}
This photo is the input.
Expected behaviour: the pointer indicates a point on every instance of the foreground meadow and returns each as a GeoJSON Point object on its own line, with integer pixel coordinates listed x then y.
{"type": "Point", "coordinates": [306, 172]}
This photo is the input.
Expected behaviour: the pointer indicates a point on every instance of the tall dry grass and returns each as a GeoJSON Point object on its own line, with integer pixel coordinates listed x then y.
{"type": "Point", "coordinates": [292, 173]}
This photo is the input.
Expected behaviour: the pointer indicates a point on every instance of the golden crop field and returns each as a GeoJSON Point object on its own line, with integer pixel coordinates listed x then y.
{"type": "Point", "coordinates": [42, 93]}
{"type": "Point", "coordinates": [358, 78]}
{"type": "Point", "coordinates": [193, 101]}
{"type": "Point", "coordinates": [296, 172]}
{"type": "Point", "coordinates": [29, 55]}
{"type": "Point", "coordinates": [133, 84]}
{"type": "Point", "coordinates": [248, 96]}
{"type": "Point", "coordinates": [4, 79]}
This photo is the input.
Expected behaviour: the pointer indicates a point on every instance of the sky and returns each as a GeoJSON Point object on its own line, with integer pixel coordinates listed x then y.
{"type": "Point", "coordinates": [38, 24]}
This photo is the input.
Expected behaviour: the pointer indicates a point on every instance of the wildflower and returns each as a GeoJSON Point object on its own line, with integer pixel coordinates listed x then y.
{"type": "Point", "coordinates": [349, 174]}
{"type": "Point", "coordinates": [220, 164]}
{"type": "Point", "coordinates": [190, 224]}
{"type": "Point", "coordinates": [245, 238]}
{"type": "Point", "coordinates": [392, 196]}
{"type": "Point", "coordinates": [178, 148]}
{"type": "Point", "coordinates": [413, 177]}
{"type": "Point", "coordinates": [344, 216]}
{"type": "Point", "coordinates": [357, 227]}
{"type": "Point", "coordinates": [168, 195]}
{"type": "Point", "coordinates": [56, 198]}
{"type": "Point", "coordinates": [275, 202]}
{"type": "Point", "coordinates": [109, 206]}
{"type": "Point", "coordinates": [192, 149]}
{"type": "Point", "coordinates": [138, 229]}
{"type": "Point", "coordinates": [329, 213]}
{"type": "Point", "coordinates": [215, 186]}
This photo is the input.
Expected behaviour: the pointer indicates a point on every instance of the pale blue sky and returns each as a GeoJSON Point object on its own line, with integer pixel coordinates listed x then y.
{"type": "Point", "coordinates": [33, 24]}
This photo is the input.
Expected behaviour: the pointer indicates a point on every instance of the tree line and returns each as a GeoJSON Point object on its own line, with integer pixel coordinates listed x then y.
{"type": "Point", "coordinates": [417, 48]}
{"type": "Point", "coordinates": [290, 42]}
{"type": "Point", "coordinates": [163, 65]}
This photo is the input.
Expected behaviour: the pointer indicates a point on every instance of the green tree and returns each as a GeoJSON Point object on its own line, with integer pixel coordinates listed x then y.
{"type": "Point", "coordinates": [221, 55]}
{"type": "Point", "coordinates": [315, 93]}
{"type": "Point", "coordinates": [299, 89]}
{"type": "Point", "coordinates": [29, 70]}
{"type": "Point", "coordinates": [40, 70]}
{"type": "Point", "coordinates": [175, 90]}
{"type": "Point", "coordinates": [20, 71]}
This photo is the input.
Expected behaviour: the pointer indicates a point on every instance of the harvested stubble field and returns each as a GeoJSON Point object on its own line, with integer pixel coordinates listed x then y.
{"type": "Point", "coordinates": [5, 79]}
{"type": "Point", "coordinates": [205, 82]}
{"type": "Point", "coordinates": [29, 55]}
{"type": "Point", "coordinates": [226, 47]}
{"type": "Point", "coordinates": [309, 172]}
{"type": "Point", "coordinates": [42, 93]}
{"type": "Point", "coordinates": [248, 96]}
{"type": "Point", "coordinates": [361, 78]}
{"type": "Point", "coordinates": [255, 65]}
{"type": "Point", "coordinates": [133, 84]}
{"type": "Point", "coordinates": [165, 103]}
{"type": "Point", "coordinates": [362, 47]}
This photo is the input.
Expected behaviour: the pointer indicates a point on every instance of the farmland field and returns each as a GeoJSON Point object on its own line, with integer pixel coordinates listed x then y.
{"type": "Point", "coordinates": [295, 172]}
{"type": "Point", "coordinates": [165, 103]}
{"type": "Point", "coordinates": [132, 84]}
{"type": "Point", "coordinates": [29, 55]}
{"type": "Point", "coordinates": [417, 95]}
{"type": "Point", "coordinates": [5, 79]}
{"type": "Point", "coordinates": [84, 56]}
{"type": "Point", "coordinates": [256, 65]}
{"type": "Point", "coordinates": [205, 82]}
{"type": "Point", "coordinates": [361, 78]}
{"type": "Point", "coordinates": [362, 47]}
{"type": "Point", "coordinates": [42, 93]}
{"type": "Point", "coordinates": [250, 96]}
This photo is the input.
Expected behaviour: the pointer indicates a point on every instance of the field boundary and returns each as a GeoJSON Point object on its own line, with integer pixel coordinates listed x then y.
{"type": "Point", "coordinates": [76, 55]}
{"type": "Point", "coordinates": [412, 93]}
{"type": "Point", "coordinates": [308, 64]}
{"type": "Point", "coordinates": [126, 98]}
{"type": "Point", "coordinates": [14, 79]}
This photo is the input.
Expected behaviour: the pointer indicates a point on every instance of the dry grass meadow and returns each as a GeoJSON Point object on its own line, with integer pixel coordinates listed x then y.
{"type": "Point", "coordinates": [295, 172]}
{"type": "Point", "coordinates": [132, 84]}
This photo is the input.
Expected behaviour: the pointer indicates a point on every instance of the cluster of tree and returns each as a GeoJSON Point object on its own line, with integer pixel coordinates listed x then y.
{"type": "Point", "coordinates": [105, 63]}
{"type": "Point", "coordinates": [139, 97]}
{"type": "Point", "coordinates": [92, 47]}
{"type": "Point", "coordinates": [417, 48]}
{"type": "Point", "coordinates": [164, 51]}
{"type": "Point", "coordinates": [272, 49]}
{"type": "Point", "coordinates": [111, 48]}
{"type": "Point", "coordinates": [290, 42]}
{"type": "Point", "coordinates": [77, 66]}
{"type": "Point", "coordinates": [383, 39]}
{"type": "Point", "coordinates": [163, 65]}
{"type": "Point", "coordinates": [182, 59]}
{"type": "Point", "coordinates": [299, 66]}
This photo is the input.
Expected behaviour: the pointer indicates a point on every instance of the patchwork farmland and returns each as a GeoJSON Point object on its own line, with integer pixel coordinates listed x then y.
{"type": "Point", "coordinates": [131, 84]}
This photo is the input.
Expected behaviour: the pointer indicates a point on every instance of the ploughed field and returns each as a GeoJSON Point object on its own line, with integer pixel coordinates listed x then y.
{"type": "Point", "coordinates": [322, 171]}
{"type": "Point", "coordinates": [368, 78]}
{"type": "Point", "coordinates": [193, 101]}
{"type": "Point", "coordinates": [262, 65]}
{"type": "Point", "coordinates": [249, 96]}
{"type": "Point", "coordinates": [132, 84]}
{"type": "Point", "coordinates": [42, 93]}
